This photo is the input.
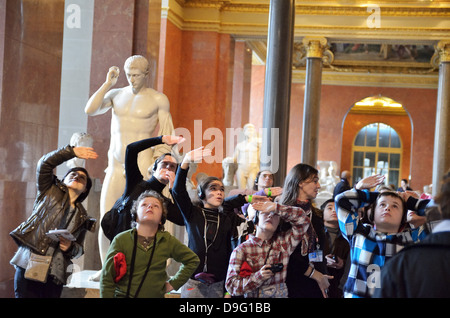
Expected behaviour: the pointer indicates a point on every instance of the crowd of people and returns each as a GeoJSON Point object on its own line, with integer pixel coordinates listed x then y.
{"type": "Point", "coordinates": [273, 241]}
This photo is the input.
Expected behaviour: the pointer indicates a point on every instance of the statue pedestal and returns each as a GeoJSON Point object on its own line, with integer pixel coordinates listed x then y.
{"type": "Point", "coordinates": [79, 286]}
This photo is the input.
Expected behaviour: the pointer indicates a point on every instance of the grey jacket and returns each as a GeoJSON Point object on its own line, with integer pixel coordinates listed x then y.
{"type": "Point", "coordinates": [51, 201]}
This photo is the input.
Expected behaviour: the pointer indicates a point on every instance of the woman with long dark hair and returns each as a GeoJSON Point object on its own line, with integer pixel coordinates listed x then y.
{"type": "Point", "coordinates": [306, 273]}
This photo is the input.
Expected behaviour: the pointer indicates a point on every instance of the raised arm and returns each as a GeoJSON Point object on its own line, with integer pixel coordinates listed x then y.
{"type": "Point", "coordinates": [46, 165]}
{"type": "Point", "coordinates": [179, 191]}
{"type": "Point", "coordinates": [101, 101]}
{"type": "Point", "coordinates": [291, 214]}
{"type": "Point", "coordinates": [348, 203]}
{"type": "Point", "coordinates": [133, 173]}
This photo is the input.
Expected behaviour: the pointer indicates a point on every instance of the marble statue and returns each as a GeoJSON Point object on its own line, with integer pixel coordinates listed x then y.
{"type": "Point", "coordinates": [229, 169]}
{"type": "Point", "coordinates": [246, 156]}
{"type": "Point", "coordinates": [327, 180]}
{"type": "Point", "coordinates": [136, 112]}
{"type": "Point", "coordinates": [327, 175]}
{"type": "Point", "coordinates": [79, 139]}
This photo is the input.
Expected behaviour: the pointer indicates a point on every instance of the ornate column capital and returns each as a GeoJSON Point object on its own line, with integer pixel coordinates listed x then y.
{"type": "Point", "coordinates": [443, 49]}
{"type": "Point", "coordinates": [315, 46]}
{"type": "Point", "coordinates": [312, 47]}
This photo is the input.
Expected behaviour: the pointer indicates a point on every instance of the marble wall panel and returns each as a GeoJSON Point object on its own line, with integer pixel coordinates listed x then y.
{"type": "Point", "coordinates": [203, 89]}
{"type": "Point", "coordinates": [112, 44]}
{"type": "Point", "coordinates": [31, 50]}
{"type": "Point", "coordinates": [242, 63]}
{"type": "Point", "coordinates": [169, 65]}
{"type": "Point", "coordinates": [147, 27]}
{"type": "Point", "coordinates": [194, 73]}
{"type": "Point", "coordinates": [2, 43]}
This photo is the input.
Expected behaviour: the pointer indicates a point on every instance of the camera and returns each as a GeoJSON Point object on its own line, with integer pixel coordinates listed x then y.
{"type": "Point", "coordinates": [275, 268]}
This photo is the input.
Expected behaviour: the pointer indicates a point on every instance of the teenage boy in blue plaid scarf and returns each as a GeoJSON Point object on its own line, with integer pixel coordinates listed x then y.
{"type": "Point", "coordinates": [379, 237]}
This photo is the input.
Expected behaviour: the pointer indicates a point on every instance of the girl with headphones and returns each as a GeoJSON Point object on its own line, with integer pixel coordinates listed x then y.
{"type": "Point", "coordinates": [379, 237]}
{"type": "Point", "coordinates": [211, 224]}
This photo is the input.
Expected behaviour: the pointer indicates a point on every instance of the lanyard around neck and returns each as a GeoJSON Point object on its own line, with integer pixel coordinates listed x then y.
{"type": "Point", "coordinates": [205, 266]}
{"type": "Point", "coordinates": [133, 258]}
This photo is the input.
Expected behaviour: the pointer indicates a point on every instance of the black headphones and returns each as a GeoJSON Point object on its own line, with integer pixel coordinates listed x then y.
{"type": "Point", "coordinates": [201, 194]}
{"type": "Point", "coordinates": [256, 217]}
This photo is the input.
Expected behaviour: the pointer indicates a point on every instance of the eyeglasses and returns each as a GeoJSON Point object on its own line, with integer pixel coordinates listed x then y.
{"type": "Point", "coordinates": [168, 165]}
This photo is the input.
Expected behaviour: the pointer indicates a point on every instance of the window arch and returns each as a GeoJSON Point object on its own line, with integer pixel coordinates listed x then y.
{"type": "Point", "coordinates": [377, 149]}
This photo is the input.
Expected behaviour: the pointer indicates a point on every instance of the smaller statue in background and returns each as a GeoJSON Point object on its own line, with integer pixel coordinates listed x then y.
{"type": "Point", "coordinates": [247, 156]}
{"type": "Point", "coordinates": [79, 139]}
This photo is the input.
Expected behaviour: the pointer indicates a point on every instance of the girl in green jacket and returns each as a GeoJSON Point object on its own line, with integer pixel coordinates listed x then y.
{"type": "Point", "coordinates": [135, 264]}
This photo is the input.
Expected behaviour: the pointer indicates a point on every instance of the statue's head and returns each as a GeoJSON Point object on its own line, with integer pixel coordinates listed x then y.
{"type": "Point", "coordinates": [137, 62]}
{"type": "Point", "coordinates": [136, 69]}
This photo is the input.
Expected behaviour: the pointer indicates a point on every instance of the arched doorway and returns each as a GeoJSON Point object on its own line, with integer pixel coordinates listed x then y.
{"type": "Point", "coordinates": [377, 139]}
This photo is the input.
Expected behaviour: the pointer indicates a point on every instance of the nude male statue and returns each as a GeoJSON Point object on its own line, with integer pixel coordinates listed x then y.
{"type": "Point", "coordinates": [136, 112]}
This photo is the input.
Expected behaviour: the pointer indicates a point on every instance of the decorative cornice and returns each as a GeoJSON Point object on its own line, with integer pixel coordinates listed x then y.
{"type": "Point", "coordinates": [363, 11]}
{"type": "Point", "coordinates": [330, 77]}
{"type": "Point", "coordinates": [323, 18]}
{"type": "Point", "coordinates": [360, 8]}
{"type": "Point", "coordinates": [402, 22]}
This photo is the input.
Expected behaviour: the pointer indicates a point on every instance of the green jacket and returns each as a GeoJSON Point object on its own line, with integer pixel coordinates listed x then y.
{"type": "Point", "coordinates": [167, 246]}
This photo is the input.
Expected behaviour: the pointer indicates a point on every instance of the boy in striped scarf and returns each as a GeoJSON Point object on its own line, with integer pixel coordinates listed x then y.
{"type": "Point", "coordinates": [379, 237]}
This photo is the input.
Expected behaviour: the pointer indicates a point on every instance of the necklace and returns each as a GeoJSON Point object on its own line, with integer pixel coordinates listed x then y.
{"type": "Point", "coordinates": [145, 241]}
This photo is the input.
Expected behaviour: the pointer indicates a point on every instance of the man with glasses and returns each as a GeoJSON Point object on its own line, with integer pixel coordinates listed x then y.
{"type": "Point", "coordinates": [163, 174]}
